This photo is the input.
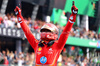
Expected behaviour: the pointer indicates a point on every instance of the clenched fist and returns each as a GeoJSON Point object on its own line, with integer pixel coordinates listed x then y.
{"type": "Point", "coordinates": [17, 10]}
{"type": "Point", "coordinates": [74, 9]}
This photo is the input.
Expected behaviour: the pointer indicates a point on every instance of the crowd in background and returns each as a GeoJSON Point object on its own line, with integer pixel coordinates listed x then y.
{"type": "Point", "coordinates": [9, 57]}
{"type": "Point", "coordinates": [18, 59]}
{"type": "Point", "coordinates": [14, 58]}
{"type": "Point", "coordinates": [10, 21]}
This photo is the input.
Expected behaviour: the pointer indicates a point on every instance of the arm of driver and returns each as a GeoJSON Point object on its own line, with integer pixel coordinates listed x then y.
{"type": "Point", "coordinates": [64, 35]}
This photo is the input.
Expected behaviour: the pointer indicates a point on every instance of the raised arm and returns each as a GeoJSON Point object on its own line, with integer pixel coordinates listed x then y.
{"type": "Point", "coordinates": [29, 35]}
{"type": "Point", "coordinates": [64, 36]}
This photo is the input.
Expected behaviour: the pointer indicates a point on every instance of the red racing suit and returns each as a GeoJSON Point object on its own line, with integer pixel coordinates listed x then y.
{"type": "Point", "coordinates": [51, 53]}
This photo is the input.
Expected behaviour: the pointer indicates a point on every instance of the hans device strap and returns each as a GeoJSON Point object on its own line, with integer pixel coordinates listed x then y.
{"type": "Point", "coordinates": [41, 43]}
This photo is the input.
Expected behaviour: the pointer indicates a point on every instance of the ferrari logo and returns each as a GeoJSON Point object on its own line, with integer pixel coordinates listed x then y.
{"type": "Point", "coordinates": [39, 49]}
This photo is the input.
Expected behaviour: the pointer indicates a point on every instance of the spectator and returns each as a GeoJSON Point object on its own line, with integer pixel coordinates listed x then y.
{"type": "Point", "coordinates": [0, 18]}
{"type": "Point", "coordinates": [10, 23]}
{"type": "Point", "coordinates": [2, 24]}
{"type": "Point", "coordinates": [77, 59]}
{"type": "Point", "coordinates": [5, 20]}
{"type": "Point", "coordinates": [6, 62]}
{"type": "Point", "coordinates": [20, 61]}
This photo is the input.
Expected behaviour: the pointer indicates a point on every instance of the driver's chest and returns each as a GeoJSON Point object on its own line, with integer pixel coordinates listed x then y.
{"type": "Point", "coordinates": [47, 52]}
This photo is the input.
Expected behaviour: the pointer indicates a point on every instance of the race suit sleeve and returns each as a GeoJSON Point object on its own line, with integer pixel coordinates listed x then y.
{"type": "Point", "coordinates": [64, 35]}
{"type": "Point", "coordinates": [28, 33]}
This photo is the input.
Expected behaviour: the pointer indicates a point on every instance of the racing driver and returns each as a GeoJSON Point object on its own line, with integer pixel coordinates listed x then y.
{"type": "Point", "coordinates": [48, 48]}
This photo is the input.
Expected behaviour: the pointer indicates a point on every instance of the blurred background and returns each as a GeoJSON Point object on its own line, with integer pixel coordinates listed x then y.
{"type": "Point", "coordinates": [82, 47]}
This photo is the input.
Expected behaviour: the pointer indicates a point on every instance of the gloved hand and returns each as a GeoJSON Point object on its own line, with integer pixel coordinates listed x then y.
{"type": "Point", "coordinates": [74, 9]}
{"type": "Point", "coordinates": [17, 11]}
